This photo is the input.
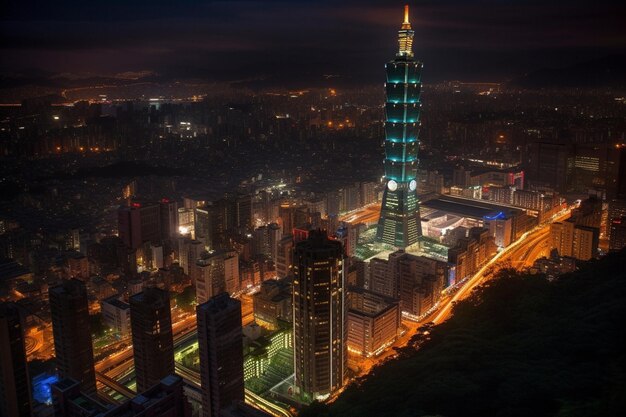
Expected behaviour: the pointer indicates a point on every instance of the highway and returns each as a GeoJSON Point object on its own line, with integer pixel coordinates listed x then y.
{"type": "Point", "coordinates": [522, 253]}
{"type": "Point", "coordinates": [368, 215]}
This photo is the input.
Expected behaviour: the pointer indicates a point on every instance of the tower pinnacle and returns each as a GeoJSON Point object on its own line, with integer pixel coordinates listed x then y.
{"type": "Point", "coordinates": [406, 16]}
{"type": "Point", "coordinates": [405, 35]}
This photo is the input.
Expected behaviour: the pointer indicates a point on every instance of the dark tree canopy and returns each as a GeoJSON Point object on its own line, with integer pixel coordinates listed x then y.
{"type": "Point", "coordinates": [519, 346]}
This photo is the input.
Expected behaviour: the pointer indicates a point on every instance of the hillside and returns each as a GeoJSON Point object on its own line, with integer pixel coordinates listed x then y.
{"type": "Point", "coordinates": [607, 72]}
{"type": "Point", "coordinates": [519, 346]}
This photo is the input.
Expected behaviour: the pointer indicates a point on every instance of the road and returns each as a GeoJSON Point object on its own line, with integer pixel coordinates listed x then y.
{"type": "Point", "coordinates": [522, 253]}
{"type": "Point", "coordinates": [367, 215]}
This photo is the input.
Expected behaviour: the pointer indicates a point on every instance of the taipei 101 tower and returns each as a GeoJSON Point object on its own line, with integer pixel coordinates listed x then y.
{"type": "Point", "coordinates": [399, 224]}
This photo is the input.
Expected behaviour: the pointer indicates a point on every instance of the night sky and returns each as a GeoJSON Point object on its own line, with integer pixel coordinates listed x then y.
{"type": "Point", "coordinates": [296, 40]}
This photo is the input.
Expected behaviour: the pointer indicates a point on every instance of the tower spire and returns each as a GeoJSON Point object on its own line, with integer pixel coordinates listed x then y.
{"type": "Point", "coordinates": [405, 35]}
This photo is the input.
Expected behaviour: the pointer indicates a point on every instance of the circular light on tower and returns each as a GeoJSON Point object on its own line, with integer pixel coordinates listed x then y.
{"type": "Point", "coordinates": [412, 185]}
{"type": "Point", "coordinates": [392, 185]}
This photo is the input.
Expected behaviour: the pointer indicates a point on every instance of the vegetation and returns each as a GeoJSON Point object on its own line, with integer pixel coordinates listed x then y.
{"type": "Point", "coordinates": [519, 346]}
{"type": "Point", "coordinates": [186, 300]}
{"type": "Point", "coordinates": [98, 326]}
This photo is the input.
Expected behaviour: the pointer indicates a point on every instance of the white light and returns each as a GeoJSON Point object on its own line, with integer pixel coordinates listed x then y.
{"type": "Point", "coordinates": [183, 230]}
{"type": "Point", "coordinates": [392, 185]}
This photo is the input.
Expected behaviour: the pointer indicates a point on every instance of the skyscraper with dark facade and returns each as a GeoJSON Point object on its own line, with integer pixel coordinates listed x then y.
{"type": "Point", "coordinates": [15, 396]}
{"type": "Point", "coordinates": [153, 345]}
{"type": "Point", "coordinates": [319, 316]}
{"type": "Point", "coordinates": [221, 353]}
{"type": "Point", "coordinates": [399, 223]}
{"type": "Point", "coordinates": [69, 307]}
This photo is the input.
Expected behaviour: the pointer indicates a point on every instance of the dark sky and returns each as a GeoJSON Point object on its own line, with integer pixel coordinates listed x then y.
{"type": "Point", "coordinates": [456, 39]}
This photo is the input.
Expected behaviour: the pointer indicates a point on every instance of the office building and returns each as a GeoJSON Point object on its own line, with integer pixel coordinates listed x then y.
{"type": "Point", "coordinates": [116, 314]}
{"type": "Point", "coordinates": [15, 389]}
{"type": "Point", "coordinates": [373, 322]}
{"type": "Point", "coordinates": [221, 353]}
{"type": "Point", "coordinates": [588, 213]}
{"type": "Point", "coordinates": [139, 223]}
{"type": "Point", "coordinates": [72, 333]}
{"type": "Point", "coordinates": [319, 316]}
{"type": "Point", "coordinates": [420, 281]}
{"type": "Point", "coordinates": [617, 234]}
{"type": "Point", "coordinates": [78, 266]}
{"type": "Point", "coordinates": [399, 224]}
{"type": "Point", "coordinates": [548, 166]}
{"type": "Point", "coordinates": [284, 257]}
{"type": "Point", "coordinates": [273, 303]}
{"type": "Point", "coordinates": [570, 239]}
{"type": "Point", "coordinates": [215, 273]}
{"type": "Point", "coordinates": [169, 219]}
{"type": "Point", "coordinates": [153, 345]}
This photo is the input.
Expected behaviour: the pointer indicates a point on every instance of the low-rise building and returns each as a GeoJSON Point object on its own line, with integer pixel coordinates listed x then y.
{"type": "Point", "coordinates": [116, 314]}
{"type": "Point", "coordinates": [373, 321]}
{"type": "Point", "coordinates": [273, 303]}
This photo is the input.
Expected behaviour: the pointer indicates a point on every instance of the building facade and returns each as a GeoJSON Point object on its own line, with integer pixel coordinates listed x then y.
{"type": "Point", "coordinates": [72, 333]}
{"type": "Point", "coordinates": [373, 322]}
{"type": "Point", "coordinates": [153, 343]}
{"type": "Point", "coordinates": [15, 390]}
{"type": "Point", "coordinates": [221, 353]}
{"type": "Point", "coordinates": [319, 316]}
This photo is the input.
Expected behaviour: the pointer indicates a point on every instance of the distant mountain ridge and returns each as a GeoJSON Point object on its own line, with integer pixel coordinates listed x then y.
{"type": "Point", "coordinates": [606, 72]}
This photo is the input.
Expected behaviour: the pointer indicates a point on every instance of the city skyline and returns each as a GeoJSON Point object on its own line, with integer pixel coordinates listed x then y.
{"type": "Point", "coordinates": [250, 214]}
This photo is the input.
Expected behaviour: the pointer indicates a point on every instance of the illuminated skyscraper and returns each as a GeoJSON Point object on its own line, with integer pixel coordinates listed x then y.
{"type": "Point", "coordinates": [319, 316]}
{"type": "Point", "coordinates": [399, 224]}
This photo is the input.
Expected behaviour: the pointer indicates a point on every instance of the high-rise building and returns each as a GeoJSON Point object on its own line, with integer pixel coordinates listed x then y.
{"type": "Point", "coordinates": [420, 282]}
{"type": "Point", "coordinates": [548, 167]}
{"type": "Point", "coordinates": [570, 239]}
{"type": "Point", "coordinates": [153, 345]}
{"type": "Point", "coordinates": [169, 219]}
{"type": "Point", "coordinates": [216, 273]}
{"type": "Point", "coordinates": [205, 226]}
{"type": "Point", "coordinates": [139, 223]}
{"type": "Point", "coordinates": [220, 340]}
{"type": "Point", "coordinates": [399, 224]}
{"type": "Point", "coordinates": [15, 391]}
{"type": "Point", "coordinates": [617, 234]}
{"type": "Point", "coordinates": [72, 334]}
{"type": "Point", "coordinates": [617, 210]}
{"type": "Point", "coordinates": [284, 256]}
{"type": "Point", "coordinates": [588, 213]}
{"type": "Point", "coordinates": [319, 316]}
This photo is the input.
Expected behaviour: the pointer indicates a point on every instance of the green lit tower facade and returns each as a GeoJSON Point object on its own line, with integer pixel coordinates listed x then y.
{"type": "Point", "coordinates": [399, 224]}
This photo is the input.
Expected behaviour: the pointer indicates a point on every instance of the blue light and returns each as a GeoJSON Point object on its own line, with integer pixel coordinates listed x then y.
{"type": "Point", "coordinates": [496, 217]}
{"type": "Point", "coordinates": [41, 387]}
